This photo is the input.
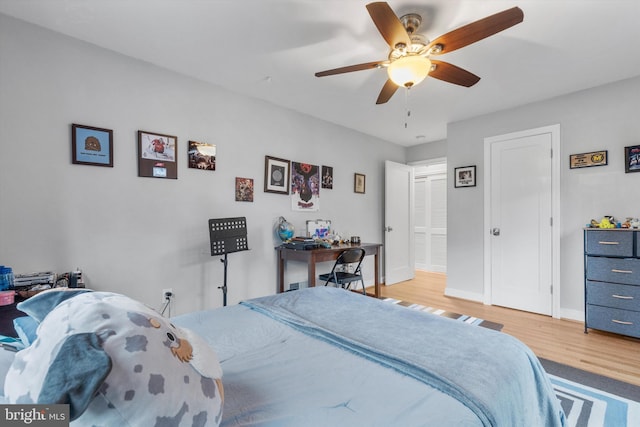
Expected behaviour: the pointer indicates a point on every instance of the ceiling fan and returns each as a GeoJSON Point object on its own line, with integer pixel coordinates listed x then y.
{"type": "Point", "coordinates": [409, 61]}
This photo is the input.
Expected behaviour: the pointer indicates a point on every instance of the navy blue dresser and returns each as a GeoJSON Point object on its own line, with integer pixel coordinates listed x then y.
{"type": "Point", "coordinates": [612, 281]}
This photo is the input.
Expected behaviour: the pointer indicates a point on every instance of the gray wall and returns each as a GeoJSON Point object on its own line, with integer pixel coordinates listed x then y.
{"type": "Point", "coordinates": [427, 151]}
{"type": "Point", "coordinates": [140, 235]}
{"type": "Point", "coordinates": [603, 118]}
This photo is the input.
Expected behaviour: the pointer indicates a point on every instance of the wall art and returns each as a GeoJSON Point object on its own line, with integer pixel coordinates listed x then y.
{"type": "Point", "coordinates": [305, 187]}
{"type": "Point", "coordinates": [359, 181]}
{"type": "Point", "coordinates": [327, 177]}
{"type": "Point", "coordinates": [632, 158]}
{"type": "Point", "coordinates": [244, 189]}
{"type": "Point", "coordinates": [157, 155]}
{"type": "Point", "coordinates": [465, 176]}
{"type": "Point", "coordinates": [202, 156]}
{"type": "Point", "coordinates": [276, 175]}
{"type": "Point", "coordinates": [586, 160]}
{"type": "Point", "coordinates": [91, 146]}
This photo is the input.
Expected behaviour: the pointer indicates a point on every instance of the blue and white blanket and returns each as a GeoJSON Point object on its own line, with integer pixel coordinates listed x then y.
{"type": "Point", "coordinates": [493, 374]}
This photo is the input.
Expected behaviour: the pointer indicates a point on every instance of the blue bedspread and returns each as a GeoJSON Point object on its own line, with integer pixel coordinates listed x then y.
{"type": "Point", "coordinates": [493, 374]}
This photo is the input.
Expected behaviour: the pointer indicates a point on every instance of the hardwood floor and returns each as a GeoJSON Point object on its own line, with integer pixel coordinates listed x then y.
{"type": "Point", "coordinates": [562, 341]}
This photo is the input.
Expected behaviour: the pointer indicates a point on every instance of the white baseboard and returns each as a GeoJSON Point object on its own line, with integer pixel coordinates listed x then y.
{"type": "Point", "coordinates": [471, 296]}
{"type": "Point", "coordinates": [566, 313]}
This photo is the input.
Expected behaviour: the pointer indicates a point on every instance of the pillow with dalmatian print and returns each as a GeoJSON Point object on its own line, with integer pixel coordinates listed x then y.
{"type": "Point", "coordinates": [116, 361]}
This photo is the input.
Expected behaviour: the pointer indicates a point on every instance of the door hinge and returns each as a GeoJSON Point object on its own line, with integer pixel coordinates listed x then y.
{"type": "Point", "coordinates": [551, 289]}
{"type": "Point", "coordinates": [551, 221]}
{"type": "Point", "coordinates": [551, 153]}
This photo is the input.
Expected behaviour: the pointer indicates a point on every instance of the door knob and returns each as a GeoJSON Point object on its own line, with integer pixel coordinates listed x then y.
{"type": "Point", "coordinates": [388, 228]}
{"type": "Point", "coordinates": [495, 231]}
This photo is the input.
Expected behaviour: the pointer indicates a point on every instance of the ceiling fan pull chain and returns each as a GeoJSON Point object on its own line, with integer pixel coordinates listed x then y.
{"type": "Point", "coordinates": [406, 104]}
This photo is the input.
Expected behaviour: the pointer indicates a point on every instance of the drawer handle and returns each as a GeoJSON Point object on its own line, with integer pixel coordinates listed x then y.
{"type": "Point", "coordinates": [621, 322]}
{"type": "Point", "coordinates": [613, 270]}
{"type": "Point", "coordinates": [609, 243]}
{"type": "Point", "coordinates": [621, 296]}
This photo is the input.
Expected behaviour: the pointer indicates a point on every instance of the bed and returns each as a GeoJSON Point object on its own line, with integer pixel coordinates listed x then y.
{"type": "Point", "coordinates": [329, 357]}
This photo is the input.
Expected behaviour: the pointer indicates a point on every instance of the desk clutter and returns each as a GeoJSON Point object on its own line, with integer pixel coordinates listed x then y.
{"type": "Point", "coordinates": [301, 243]}
{"type": "Point", "coordinates": [29, 284]}
{"type": "Point", "coordinates": [318, 235]}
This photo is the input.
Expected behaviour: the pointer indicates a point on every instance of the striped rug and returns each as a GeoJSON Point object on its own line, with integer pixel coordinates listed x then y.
{"type": "Point", "coordinates": [586, 406]}
{"type": "Point", "coordinates": [438, 312]}
{"type": "Point", "coordinates": [592, 400]}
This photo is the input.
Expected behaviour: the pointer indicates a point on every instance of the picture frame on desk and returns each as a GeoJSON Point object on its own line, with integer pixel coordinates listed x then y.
{"type": "Point", "coordinates": [91, 146]}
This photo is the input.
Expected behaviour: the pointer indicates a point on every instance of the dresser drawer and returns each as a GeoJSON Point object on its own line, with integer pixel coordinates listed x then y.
{"type": "Point", "coordinates": [614, 320]}
{"type": "Point", "coordinates": [616, 270]}
{"type": "Point", "coordinates": [626, 297]}
{"type": "Point", "coordinates": [609, 243]}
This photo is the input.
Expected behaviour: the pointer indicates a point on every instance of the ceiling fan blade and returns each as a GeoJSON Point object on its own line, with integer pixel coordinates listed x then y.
{"type": "Point", "coordinates": [453, 74]}
{"type": "Point", "coordinates": [388, 24]}
{"type": "Point", "coordinates": [350, 68]}
{"type": "Point", "coordinates": [387, 92]}
{"type": "Point", "coordinates": [478, 30]}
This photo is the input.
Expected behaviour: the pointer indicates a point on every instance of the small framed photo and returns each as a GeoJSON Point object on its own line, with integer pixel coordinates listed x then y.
{"type": "Point", "coordinates": [277, 173]}
{"type": "Point", "coordinates": [244, 189]}
{"type": "Point", "coordinates": [632, 158]}
{"type": "Point", "coordinates": [157, 155]}
{"type": "Point", "coordinates": [359, 181]}
{"type": "Point", "coordinates": [465, 176]}
{"type": "Point", "coordinates": [91, 146]}
{"type": "Point", "coordinates": [202, 156]}
{"type": "Point", "coordinates": [327, 177]}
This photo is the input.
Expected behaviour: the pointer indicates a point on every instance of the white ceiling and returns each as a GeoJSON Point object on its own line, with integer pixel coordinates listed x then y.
{"type": "Point", "coordinates": [270, 49]}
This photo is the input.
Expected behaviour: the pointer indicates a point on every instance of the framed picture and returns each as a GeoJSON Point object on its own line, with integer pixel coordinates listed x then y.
{"type": "Point", "coordinates": [359, 181]}
{"type": "Point", "coordinates": [327, 177]}
{"type": "Point", "coordinates": [632, 158]}
{"type": "Point", "coordinates": [202, 156]}
{"type": "Point", "coordinates": [91, 146]}
{"type": "Point", "coordinates": [586, 160]}
{"type": "Point", "coordinates": [465, 176]}
{"type": "Point", "coordinates": [277, 174]}
{"type": "Point", "coordinates": [244, 189]}
{"type": "Point", "coordinates": [305, 187]}
{"type": "Point", "coordinates": [157, 155]}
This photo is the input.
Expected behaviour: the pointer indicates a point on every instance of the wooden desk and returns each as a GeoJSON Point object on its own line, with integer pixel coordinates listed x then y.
{"type": "Point", "coordinates": [313, 256]}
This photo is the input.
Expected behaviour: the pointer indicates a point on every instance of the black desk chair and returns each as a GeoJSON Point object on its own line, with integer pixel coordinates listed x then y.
{"type": "Point", "coordinates": [339, 273]}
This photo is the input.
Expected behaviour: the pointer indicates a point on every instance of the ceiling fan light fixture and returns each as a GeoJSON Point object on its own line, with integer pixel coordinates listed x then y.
{"type": "Point", "coordinates": [409, 70]}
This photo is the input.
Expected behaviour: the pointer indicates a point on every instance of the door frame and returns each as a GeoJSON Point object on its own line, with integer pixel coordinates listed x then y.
{"type": "Point", "coordinates": [554, 130]}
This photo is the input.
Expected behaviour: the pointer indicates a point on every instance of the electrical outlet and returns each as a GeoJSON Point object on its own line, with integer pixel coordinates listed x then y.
{"type": "Point", "coordinates": [167, 293]}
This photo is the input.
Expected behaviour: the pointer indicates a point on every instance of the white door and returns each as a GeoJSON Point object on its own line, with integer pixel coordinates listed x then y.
{"type": "Point", "coordinates": [399, 262]}
{"type": "Point", "coordinates": [520, 221]}
{"type": "Point", "coordinates": [431, 218]}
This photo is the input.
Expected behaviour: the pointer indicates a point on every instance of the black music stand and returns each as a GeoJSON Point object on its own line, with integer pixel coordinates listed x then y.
{"type": "Point", "coordinates": [227, 235]}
